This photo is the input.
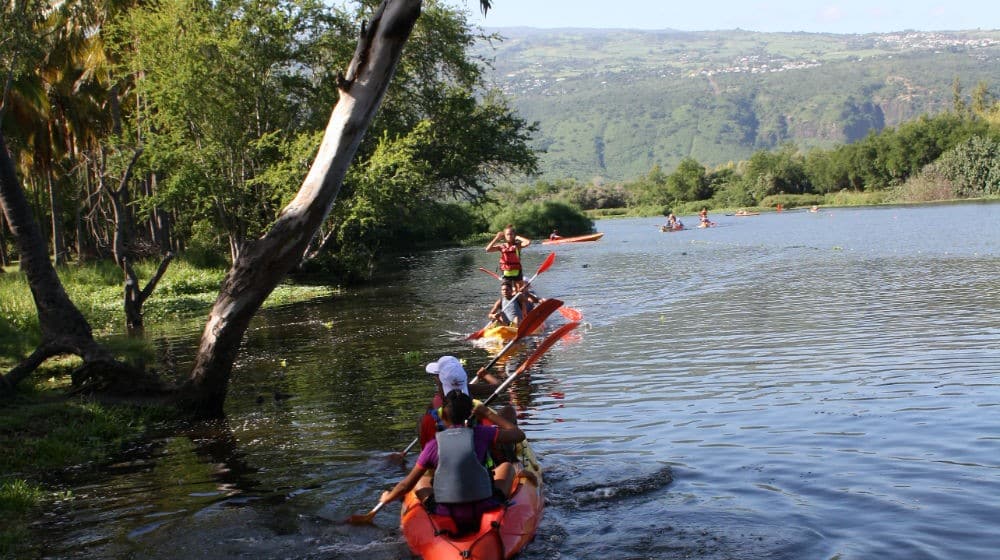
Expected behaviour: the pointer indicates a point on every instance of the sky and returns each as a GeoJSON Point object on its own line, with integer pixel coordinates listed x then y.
{"type": "Point", "coordinates": [833, 16]}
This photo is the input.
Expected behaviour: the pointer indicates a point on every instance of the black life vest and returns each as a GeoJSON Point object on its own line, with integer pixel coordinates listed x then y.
{"type": "Point", "coordinates": [460, 477]}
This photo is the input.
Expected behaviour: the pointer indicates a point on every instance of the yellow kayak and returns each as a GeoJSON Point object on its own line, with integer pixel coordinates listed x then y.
{"type": "Point", "coordinates": [505, 333]}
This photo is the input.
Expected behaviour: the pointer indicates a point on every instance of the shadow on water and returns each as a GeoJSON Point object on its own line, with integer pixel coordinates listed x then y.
{"type": "Point", "coordinates": [788, 387]}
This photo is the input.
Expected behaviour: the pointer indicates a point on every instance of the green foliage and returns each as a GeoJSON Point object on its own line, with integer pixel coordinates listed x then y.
{"type": "Point", "coordinates": [224, 85]}
{"type": "Point", "coordinates": [777, 172]}
{"type": "Point", "coordinates": [719, 96]}
{"type": "Point", "coordinates": [538, 219]}
{"type": "Point", "coordinates": [17, 495]}
{"type": "Point", "coordinates": [185, 293]}
{"type": "Point", "coordinates": [973, 166]}
{"type": "Point", "coordinates": [789, 201]}
{"type": "Point", "coordinates": [688, 182]}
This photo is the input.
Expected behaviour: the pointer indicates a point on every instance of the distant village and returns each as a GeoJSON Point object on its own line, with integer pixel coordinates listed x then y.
{"type": "Point", "coordinates": [546, 81]}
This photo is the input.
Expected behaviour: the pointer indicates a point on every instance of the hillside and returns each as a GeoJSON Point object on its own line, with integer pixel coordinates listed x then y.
{"type": "Point", "coordinates": [613, 103]}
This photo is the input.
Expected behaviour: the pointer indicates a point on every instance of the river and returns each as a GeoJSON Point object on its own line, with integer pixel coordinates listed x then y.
{"type": "Point", "coordinates": [784, 386]}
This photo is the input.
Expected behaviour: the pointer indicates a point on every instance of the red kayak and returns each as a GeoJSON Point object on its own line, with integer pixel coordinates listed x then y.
{"type": "Point", "coordinates": [678, 227]}
{"type": "Point", "coordinates": [502, 532]}
{"type": "Point", "coordinates": [577, 239]}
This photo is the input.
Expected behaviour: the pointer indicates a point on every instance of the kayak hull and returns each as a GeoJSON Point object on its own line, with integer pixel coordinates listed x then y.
{"type": "Point", "coordinates": [505, 333]}
{"type": "Point", "coordinates": [502, 532]}
{"type": "Point", "coordinates": [668, 229]}
{"type": "Point", "coordinates": [577, 239]}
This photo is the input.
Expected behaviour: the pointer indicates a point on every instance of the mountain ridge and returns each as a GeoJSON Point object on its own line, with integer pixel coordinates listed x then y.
{"type": "Point", "coordinates": [611, 104]}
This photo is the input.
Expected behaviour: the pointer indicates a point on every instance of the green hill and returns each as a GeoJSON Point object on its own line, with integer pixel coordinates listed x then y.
{"type": "Point", "coordinates": [612, 103]}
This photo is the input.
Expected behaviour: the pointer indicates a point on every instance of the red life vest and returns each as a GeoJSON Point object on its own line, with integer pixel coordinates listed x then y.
{"type": "Point", "coordinates": [510, 257]}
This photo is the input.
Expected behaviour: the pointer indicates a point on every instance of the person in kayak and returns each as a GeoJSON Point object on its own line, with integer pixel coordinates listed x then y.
{"type": "Point", "coordinates": [449, 375]}
{"type": "Point", "coordinates": [506, 312]}
{"type": "Point", "coordinates": [673, 223]}
{"type": "Point", "coordinates": [509, 244]}
{"type": "Point", "coordinates": [703, 218]}
{"type": "Point", "coordinates": [462, 487]}
{"type": "Point", "coordinates": [555, 234]}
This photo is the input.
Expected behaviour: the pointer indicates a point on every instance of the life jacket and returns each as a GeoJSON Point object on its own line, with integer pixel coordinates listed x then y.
{"type": "Point", "coordinates": [510, 258]}
{"type": "Point", "coordinates": [460, 477]}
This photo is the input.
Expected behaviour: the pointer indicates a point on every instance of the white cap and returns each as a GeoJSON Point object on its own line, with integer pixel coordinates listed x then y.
{"type": "Point", "coordinates": [451, 374]}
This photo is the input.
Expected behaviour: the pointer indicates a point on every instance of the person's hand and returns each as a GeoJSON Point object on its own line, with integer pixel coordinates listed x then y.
{"type": "Point", "coordinates": [480, 410]}
{"type": "Point", "coordinates": [385, 497]}
{"type": "Point", "coordinates": [481, 373]}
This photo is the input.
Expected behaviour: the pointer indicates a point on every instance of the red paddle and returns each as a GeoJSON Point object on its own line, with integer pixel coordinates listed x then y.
{"type": "Point", "coordinates": [541, 268]}
{"type": "Point", "coordinates": [570, 313]}
{"type": "Point", "coordinates": [542, 348]}
{"type": "Point", "coordinates": [535, 318]}
{"type": "Point", "coordinates": [366, 518]}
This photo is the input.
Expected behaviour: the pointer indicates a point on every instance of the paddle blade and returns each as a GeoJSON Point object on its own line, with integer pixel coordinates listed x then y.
{"type": "Point", "coordinates": [546, 263]}
{"type": "Point", "coordinates": [400, 456]}
{"type": "Point", "coordinates": [364, 519]}
{"type": "Point", "coordinates": [478, 334]}
{"type": "Point", "coordinates": [361, 519]}
{"type": "Point", "coordinates": [546, 344]}
{"type": "Point", "coordinates": [537, 316]}
{"type": "Point", "coordinates": [490, 272]}
{"type": "Point", "coordinates": [571, 314]}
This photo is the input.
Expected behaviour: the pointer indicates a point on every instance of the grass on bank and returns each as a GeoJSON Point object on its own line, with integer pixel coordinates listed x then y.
{"type": "Point", "coordinates": [184, 294]}
{"type": "Point", "coordinates": [48, 432]}
{"type": "Point", "coordinates": [45, 430]}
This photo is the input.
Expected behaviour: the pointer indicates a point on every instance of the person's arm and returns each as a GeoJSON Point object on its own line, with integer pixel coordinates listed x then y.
{"type": "Point", "coordinates": [403, 486]}
{"type": "Point", "coordinates": [492, 245]}
{"type": "Point", "coordinates": [484, 375]}
{"type": "Point", "coordinates": [509, 432]}
{"type": "Point", "coordinates": [523, 240]}
{"type": "Point", "coordinates": [495, 310]}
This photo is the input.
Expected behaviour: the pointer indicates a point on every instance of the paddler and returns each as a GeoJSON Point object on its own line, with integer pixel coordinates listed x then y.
{"type": "Point", "coordinates": [462, 486]}
{"type": "Point", "coordinates": [507, 312]}
{"type": "Point", "coordinates": [509, 244]}
{"type": "Point", "coordinates": [449, 375]}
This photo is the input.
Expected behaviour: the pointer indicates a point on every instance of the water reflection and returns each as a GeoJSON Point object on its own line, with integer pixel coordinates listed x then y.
{"type": "Point", "coordinates": [786, 386]}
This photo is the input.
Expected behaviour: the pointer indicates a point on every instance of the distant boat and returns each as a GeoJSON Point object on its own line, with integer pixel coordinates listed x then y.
{"type": "Point", "coordinates": [577, 239]}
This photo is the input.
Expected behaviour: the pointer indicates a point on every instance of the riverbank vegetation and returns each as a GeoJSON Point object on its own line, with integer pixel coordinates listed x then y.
{"type": "Point", "coordinates": [52, 432]}
{"type": "Point", "coordinates": [138, 131]}
{"type": "Point", "coordinates": [52, 429]}
{"type": "Point", "coordinates": [943, 157]}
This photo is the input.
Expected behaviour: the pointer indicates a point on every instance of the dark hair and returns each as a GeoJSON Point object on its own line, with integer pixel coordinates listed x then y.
{"type": "Point", "coordinates": [458, 406]}
{"type": "Point", "coordinates": [506, 283]}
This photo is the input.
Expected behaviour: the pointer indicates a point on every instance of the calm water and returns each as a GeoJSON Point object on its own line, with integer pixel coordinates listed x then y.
{"type": "Point", "coordinates": [790, 386]}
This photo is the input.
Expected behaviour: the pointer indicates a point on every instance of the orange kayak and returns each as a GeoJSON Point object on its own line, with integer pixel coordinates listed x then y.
{"type": "Point", "coordinates": [502, 532]}
{"type": "Point", "coordinates": [591, 237]}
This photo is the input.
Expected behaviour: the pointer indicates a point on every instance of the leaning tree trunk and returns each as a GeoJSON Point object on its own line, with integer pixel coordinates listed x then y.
{"type": "Point", "coordinates": [264, 263]}
{"type": "Point", "coordinates": [64, 328]}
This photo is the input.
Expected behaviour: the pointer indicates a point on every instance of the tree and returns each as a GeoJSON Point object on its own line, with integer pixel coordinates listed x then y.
{"type": "Point", "coordinates": [64, 328]}
{"type": "Point", "coordinates": [264, 262]}
{"type": "Point", "coordinates": [688, 182]}
{"type": "Point", "coordinates": [222, 85]}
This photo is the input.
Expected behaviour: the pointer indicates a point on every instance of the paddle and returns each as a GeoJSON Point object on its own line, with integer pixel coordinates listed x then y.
{"type": "Point", "coordinates": [541, 268]}
{"type": "Point", "coordinates": [542, 348]}
{"type": "Point", "coordinates": [569, 313]}
{"type": "Point", "coordinates": [535, 318]}
{"type": "Point", "coordinates": [366, 518]}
